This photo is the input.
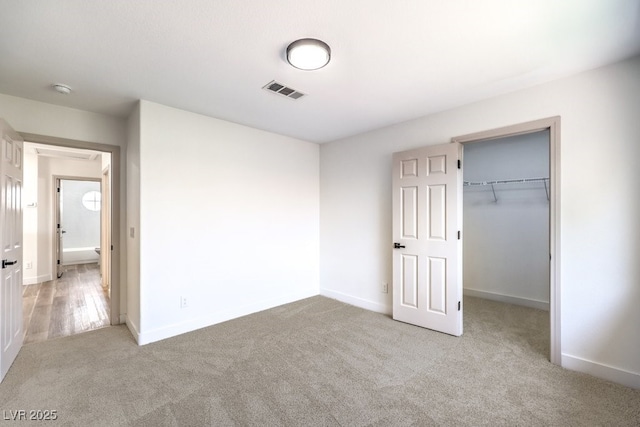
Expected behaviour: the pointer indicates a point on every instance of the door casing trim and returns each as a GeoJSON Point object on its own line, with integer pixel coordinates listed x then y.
{"type": "Point", "coordinates": [114, 150]}
{"type": "Point", "coordinates": [553, 125]}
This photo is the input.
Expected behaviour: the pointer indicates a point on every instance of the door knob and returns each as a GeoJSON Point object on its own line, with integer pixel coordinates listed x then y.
{"type": "Point", "coordinates": [6, 262]}
{"type": "Point", "coordinates": [398, 246]}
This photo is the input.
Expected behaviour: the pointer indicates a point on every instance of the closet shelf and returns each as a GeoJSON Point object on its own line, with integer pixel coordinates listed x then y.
{"type": "Point", "coordinates": [504, 181]}
{"type": "Point", "coordinates": [507, 181]}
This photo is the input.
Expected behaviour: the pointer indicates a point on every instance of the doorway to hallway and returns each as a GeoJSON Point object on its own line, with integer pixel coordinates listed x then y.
{"type": "Point", "coordinates": [64, 290]}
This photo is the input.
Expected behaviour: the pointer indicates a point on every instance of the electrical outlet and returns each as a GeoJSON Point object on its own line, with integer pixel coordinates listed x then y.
{"type": "Point", "coordinates": [183, 302]}
{"type": "Point", "coordinates": [29, 265]}
{"type": "Point", "coordinates": [385, 288]}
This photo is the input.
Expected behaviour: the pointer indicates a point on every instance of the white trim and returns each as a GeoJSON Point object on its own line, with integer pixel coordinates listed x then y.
{"type": "Point", "coordinates": [527, 302]}
{"type": "Point", "coordinates": [555, 303]}
{"type": "Point", "coordinates": [158, 334]}
{"type": "Point", "coordinates": [132, 328]}
{"type": "Point", "coordinates": [355, 301]}
{"type": "Point", "coordinates": [123, 318]}
{"type": "Point", "coordinates": [78, 262]}
{"type": "Point", "coordinates": [606, 372]}
{"type": "Point", "coordinates": [553, 124]}
{"type": "Point", "coordinates": [34, 280]}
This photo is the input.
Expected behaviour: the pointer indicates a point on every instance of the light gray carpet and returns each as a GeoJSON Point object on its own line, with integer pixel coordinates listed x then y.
{"type": "Point", "coordinates": [317, 362]}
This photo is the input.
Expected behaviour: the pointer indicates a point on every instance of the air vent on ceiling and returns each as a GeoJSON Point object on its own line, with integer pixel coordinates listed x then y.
{"type": "Point", "coordinates": [275, 87]}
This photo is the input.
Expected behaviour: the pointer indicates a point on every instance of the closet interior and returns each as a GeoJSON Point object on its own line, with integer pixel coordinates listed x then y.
{"type": "Point", "coordinates": [506, 219]}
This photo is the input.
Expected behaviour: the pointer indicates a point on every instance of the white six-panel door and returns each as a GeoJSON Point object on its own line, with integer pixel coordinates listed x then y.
{"type": "Point", "coordinates": [11, 335]}
{"type": "Point", "coordinates": [427, 221]}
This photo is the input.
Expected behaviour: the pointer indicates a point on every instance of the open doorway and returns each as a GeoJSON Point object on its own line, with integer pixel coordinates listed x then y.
{"type": "Point", "coordinates": [78, 206]}
{"type": "Point", "coordinates": [548, 241]}
{"type": "Point", "coordinates": [64, 292]}
{"type": "Point", "coordinates": [506, 236]}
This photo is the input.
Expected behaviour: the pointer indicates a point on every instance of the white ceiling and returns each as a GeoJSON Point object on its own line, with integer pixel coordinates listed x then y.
{"type": "Point", "coordinates": [392, 60]}
{"type": "Point", "coordinates": [46, 150]}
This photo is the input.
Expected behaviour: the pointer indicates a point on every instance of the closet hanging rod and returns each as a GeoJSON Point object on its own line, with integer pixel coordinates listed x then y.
{"type": "Point", "coordinates": [505, 181]}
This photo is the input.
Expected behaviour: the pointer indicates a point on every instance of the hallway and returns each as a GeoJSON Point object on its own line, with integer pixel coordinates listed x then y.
{"type": "Point", "coordinates": [73, 304]}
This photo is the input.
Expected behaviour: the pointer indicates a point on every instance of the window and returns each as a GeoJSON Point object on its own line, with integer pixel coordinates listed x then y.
{"type": "Point", "coordinates": [92, 200]}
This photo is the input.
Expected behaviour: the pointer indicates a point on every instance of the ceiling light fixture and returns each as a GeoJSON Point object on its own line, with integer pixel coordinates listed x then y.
{"type": "Point", "coordinates": [60, 88]}
{"type": "Point", "coordinates": [308, 54]}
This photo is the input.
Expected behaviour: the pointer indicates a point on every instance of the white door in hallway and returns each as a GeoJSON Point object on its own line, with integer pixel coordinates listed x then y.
{"type": "Point", "coordinates": [427, 228]}
{"type": "Point", "coordinates": [11, 335]}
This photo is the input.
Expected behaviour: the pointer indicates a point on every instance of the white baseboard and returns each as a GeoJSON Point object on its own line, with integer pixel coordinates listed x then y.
{"type": "Point", "coordinates": [80, 261]}
{"type": "Point", "coordinates": [358, 302]}
{"type": "Point", "coordinates": [540, 305]}
{"type": "Point", "coordinates": [32, 280]}
{"type": "Point", "coordinates": [147, 337]}
{"type": "Point", "coordinates": [609, 373]}
{"type": "Point", "coordinates": [122, 319]}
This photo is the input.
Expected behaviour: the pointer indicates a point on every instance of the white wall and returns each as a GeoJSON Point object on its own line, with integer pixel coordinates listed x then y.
{"type": "Point", "coordinates": [105, 161]}
{"type": "Point", "coordinates": [506, 242]}
{"type": "Point", "coordinates": [30, 217]}
{"type": "Point", "coordinates": [40, 118]}
{"type": "Point", "coordinates": [600, 207]}
{"type": "Point", "coordinates": [25, 115]}
{"type": "Point", "coordinates": [229, 218]}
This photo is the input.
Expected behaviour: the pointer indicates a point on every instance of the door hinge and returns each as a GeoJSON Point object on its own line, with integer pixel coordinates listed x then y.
{"type": "Point", "coordinates": [458, 305]}
{"type": "Point", "coordinates": [58, 262]}
{"type": "Point", "coordinates": [111, 247]}
{"type": "Point", "coordinates": [58, 226]}
{"type": "Point", "coordinates": [459, 164]}
{"type": "Point", "coordinates": [58, 189]}
{"type": "Point", "coordinates": [458, 234]}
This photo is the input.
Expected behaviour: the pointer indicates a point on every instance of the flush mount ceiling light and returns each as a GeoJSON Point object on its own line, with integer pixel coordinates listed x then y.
{"type": "Point", "coordinates": [308, 54]}
{"type": "Point", "coordinates": [60, 88]}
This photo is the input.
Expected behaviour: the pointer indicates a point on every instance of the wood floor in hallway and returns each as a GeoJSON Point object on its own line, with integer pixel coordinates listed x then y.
{"type": "Point", "coordinates": [70, 305]}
